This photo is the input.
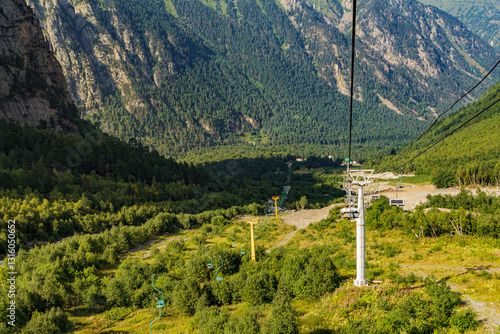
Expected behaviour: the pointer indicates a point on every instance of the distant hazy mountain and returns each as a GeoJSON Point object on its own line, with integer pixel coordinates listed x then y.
{"type": "Point", "coordinates": [179, 74]}
{"type": "Point", "coordinates": [481, 17]}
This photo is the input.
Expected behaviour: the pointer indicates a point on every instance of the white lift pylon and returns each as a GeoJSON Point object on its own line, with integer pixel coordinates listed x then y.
{"type": "Point", "coordinates": [361, 178]}
{"type": "Point", "coordinates": [350, 211]}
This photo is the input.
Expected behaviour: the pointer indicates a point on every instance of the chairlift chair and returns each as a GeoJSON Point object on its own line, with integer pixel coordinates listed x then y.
{"type": "Point", "coordinates": [211, 264]}
{"type": "Point", "coordinates": [261, 220]}
{"type": "Point", "coordinates": [349, 213]}
{"type": "Point", "coordinates": [399, 202]}
{"type": "Point", "coordinates": [241, 248]}
{"type": "Point", "coordinates": [217, 271]}
{"type": "Point", "coordinates": [159, 303]}
{"type": "Point", "coordinates": [234, 241]}
{"type": "Point", "coordinates": [377, 195]}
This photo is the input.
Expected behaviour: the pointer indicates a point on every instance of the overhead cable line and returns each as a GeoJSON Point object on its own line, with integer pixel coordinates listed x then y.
{"type": "Point", "coordinates": [353, 53]}
{"type": "Point", "coordinates": [449, 134]}
{"type": "Point", "coordinates": [496, 62]}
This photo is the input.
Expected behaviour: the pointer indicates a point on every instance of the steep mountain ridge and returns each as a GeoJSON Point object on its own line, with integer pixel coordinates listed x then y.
{"type": "Point", "coordinates": [32, 85]}
{"type": "Point", "coordinates": [98, 44]}
{"type": "Point", "coordinates": [410, 49]}
{"type": "Point", "coordinates": [482, 18]}
{"type": "Point", "coordinates": [178, 75]}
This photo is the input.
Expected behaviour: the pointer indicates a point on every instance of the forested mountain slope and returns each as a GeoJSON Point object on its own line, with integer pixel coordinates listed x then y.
{"type": "Point", "coordinates": [471, 155]}
{"type": "Point", "coordinates": [179, 75]}
{"type": "Point", "coordinates": [53, 169]}
{"type": "Point", "coordinates": [481, 17]}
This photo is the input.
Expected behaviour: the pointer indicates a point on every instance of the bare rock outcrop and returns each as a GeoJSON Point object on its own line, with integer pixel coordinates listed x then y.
{"type": "Point", "coordinates": [32, 84]}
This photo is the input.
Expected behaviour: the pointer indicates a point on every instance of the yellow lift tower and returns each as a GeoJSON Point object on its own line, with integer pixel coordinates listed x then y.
{"type": "Point", "coordinates": [276, 198]}
{"type": "Point", "coordinates": [252, 241]}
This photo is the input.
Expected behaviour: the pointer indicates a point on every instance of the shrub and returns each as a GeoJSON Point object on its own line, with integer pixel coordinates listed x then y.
{"type": "Point", "coordinates": [434, 249]}
{"type": "Point", "coordinates": [254, 209]}
{"type": "Point", "coordinates": [391, 251]}
{"type": "Point", "coordinates": [323, 224]}
{"type": "Point", "coordinates": [259, 287]}
{"type": "Point", "coordinates": [417, 257]}
{"type": "Point", "coordinates": [205, 229]}
{"type": "Point", "coordinates": [319, 277]}
{"type": "Point", "coordinates": [410, 315]}
{"type": "Point", "coordinates": [247, 323]}
{"type": "Point", "coordinates": [212, 321]}
{"type": "Point", "coordinates": [199, 240]}
{"type": "Point", "coordinates": [185, 296]}
{"type": "Point", "coordinates": [219, 221]}
{"type": "Point", "coordinates": [464, 320]}
{"type": "Point", "coordinates": [347, 234]}
{"type": "Point", "coordinates": [54, 321]}
{"type": "Point", "coordinates": [313, 321]}
{"type": "Point", "coordinates": [116, 293]}
{"type": "Point", "coordinates": [176, 245]}
{"type": "Point", "coordinates": [404, 280]}
{"type": "Point", "coordinates": [162, 326]}
{"type": "Point", "coordinates": [196, 268]}
{"type": "Point", "coordinates": [163, 222]}
{"type": "Point", "coordinates": [222, 292]}
{"type": "Point", "coordinates": [443, 299]}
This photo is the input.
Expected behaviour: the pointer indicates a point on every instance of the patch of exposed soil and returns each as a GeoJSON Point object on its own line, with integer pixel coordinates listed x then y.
{"type": "Point", "coordinates": [415, 195]}
{"type": "Point", "coordinates": [303, 218]}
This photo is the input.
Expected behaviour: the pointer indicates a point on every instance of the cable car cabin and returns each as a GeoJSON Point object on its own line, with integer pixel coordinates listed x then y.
{"type": "Point", "coordinates": [374, 197]}
{"type": "Point", "coordinates": [397, 202]}
{"type": "Point", "coordinates": [349, 213]}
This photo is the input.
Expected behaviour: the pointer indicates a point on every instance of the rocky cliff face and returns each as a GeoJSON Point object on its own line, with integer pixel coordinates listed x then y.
{"type": "Point", "coordinates": [405, 47]}
{"type": "Point", "coordinates": [86, 50]}
{"type": "Point", "coordinates": [102, 56]}
{"type": "Point", "coordinates": [32, 84]}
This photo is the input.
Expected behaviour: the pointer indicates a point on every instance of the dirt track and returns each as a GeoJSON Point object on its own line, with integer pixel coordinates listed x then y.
{"type": "Point", "coordinates": [303, 218]}
{"type": "Point", "coordinates": [414, 195]}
